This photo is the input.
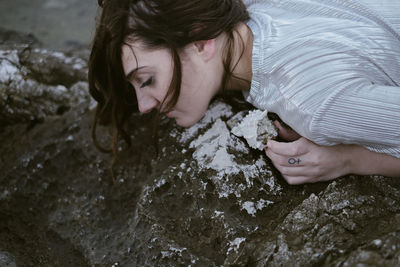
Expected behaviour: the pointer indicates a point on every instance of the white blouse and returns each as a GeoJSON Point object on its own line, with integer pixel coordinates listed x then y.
{"type": "Point", "coordinates": [330, 69]}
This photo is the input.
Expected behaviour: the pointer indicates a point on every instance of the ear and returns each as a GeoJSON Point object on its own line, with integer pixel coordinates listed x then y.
{"type": "Point", "coordinates": [205, 48]}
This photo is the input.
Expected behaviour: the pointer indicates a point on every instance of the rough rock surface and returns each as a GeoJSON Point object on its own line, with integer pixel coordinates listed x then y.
{"type": "Point", "coordinates": [206, 200]}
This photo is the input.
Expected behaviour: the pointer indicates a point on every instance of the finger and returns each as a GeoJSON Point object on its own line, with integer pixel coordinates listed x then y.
{"type": "Point", "coordinates": [297, 170]}
{"type": "Point", "coordinates": [296, 148]}
{"type": "Point", "coordinates": [300, 171]}
{"type": "Point", "coordinates": [284, 161]}
{"type": "Point", "coordinates": [286, 133]}
{"type": "Point", "coordinates": [296, 180]}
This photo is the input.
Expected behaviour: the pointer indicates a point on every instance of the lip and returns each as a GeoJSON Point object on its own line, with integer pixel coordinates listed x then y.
{"type": "Point", "coordinates": [169, 114]}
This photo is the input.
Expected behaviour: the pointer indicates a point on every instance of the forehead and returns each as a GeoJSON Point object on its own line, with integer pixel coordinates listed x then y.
{"type": "Point", "coordinates": [130, 53]}
{"type": "Point", "coordinates": [136, 55]}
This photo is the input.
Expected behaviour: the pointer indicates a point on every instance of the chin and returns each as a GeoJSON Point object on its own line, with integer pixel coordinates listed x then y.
{"type": "Point", "coordinates": [186, 122]}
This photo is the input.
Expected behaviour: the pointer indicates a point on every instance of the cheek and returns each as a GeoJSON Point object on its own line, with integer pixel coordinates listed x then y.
{"type": "Point", "coordinates": [193, 98]}
{"type": "Point", "coordinates": [193, 90]}
{"type": "Point", "coordinates": [191, 75]}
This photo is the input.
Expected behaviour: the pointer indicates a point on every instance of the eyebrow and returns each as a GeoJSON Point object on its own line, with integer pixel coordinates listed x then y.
{"type": "Point", "coordinates": [130, 74]}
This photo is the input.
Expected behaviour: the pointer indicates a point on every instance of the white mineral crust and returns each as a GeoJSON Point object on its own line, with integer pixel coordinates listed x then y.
{"type": "Point", "coordinates": [256, 128]}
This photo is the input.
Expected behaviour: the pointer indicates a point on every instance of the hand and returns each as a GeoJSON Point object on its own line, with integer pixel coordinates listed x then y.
{"type": "Point", "coordinates": [285, 132]}
{"type": "Point", "coordinates": [303, 161]}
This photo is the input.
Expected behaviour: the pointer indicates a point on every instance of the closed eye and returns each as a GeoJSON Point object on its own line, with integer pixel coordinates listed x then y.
{"type": "Point", "coordinates": [148, 82]}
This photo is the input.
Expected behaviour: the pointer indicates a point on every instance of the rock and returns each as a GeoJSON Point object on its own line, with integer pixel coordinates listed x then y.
{"type": "Point", "coordinates": [6, 260]}
{"type": "Point", "coordinates": [207, 199]}
{"type": "Point", "coordinates": [53, 68]}
{"type": "Point", "coordinates": [256, 128]}
{"type": "Point", "coordinates": [38, 83]}
{"type": "Point", "coordinates": [12, 38]}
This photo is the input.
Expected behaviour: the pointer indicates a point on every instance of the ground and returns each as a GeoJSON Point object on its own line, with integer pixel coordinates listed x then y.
{"type": "Point", "coordinates": [207, 199]}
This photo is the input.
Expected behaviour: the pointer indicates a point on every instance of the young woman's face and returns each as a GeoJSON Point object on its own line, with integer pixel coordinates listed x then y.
{"type": "Point", "coordinates": [150, 72]}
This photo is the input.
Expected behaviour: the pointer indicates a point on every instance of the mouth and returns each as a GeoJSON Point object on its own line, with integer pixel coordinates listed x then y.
{"type": "Point", "coordinates": [169, 114]}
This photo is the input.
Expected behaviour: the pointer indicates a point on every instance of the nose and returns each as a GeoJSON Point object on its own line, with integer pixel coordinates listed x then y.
{"type": "Point", "coordinates": [146, 102]}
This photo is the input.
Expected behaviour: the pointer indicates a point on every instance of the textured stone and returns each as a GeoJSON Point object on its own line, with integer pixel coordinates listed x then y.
{"type": "Point", "coordinates": [207, 199]}
{"type": "Point", "coordinates": [36, 83]}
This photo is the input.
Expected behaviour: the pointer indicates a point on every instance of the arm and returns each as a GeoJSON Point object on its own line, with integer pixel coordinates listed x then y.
{"type": "Point", "coordinates": [367, 116]}
{"type": "Point", "coordinates": [365, 162]}
{"type": "Point", "coordinates": [303, 161]}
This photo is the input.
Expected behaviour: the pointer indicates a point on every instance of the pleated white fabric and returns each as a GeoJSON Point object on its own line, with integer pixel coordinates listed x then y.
{"type": "Point", "coordinates": [330, 69]}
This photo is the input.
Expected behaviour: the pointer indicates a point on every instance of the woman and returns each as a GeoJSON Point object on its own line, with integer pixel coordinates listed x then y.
{"type": "Point", "coordinates": [329, 68]}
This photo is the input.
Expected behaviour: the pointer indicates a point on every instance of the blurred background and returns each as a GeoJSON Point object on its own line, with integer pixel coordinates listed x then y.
{"type": "Point", "coordinates": [69, 24]}
{"type": "Point", "coordinates": [58, 24]}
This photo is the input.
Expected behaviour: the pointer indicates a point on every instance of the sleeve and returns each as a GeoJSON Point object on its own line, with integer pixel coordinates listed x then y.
{"type": "Point", "coordinates": [361, 113]}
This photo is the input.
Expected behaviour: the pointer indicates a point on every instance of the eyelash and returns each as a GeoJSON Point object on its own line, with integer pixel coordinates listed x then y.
{"type": "Point", "coordinates": [148, 82]}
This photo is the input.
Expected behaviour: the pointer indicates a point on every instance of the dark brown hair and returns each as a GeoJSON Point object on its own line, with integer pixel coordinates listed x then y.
{"type": "Point", "coordinates": [170, 24]}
